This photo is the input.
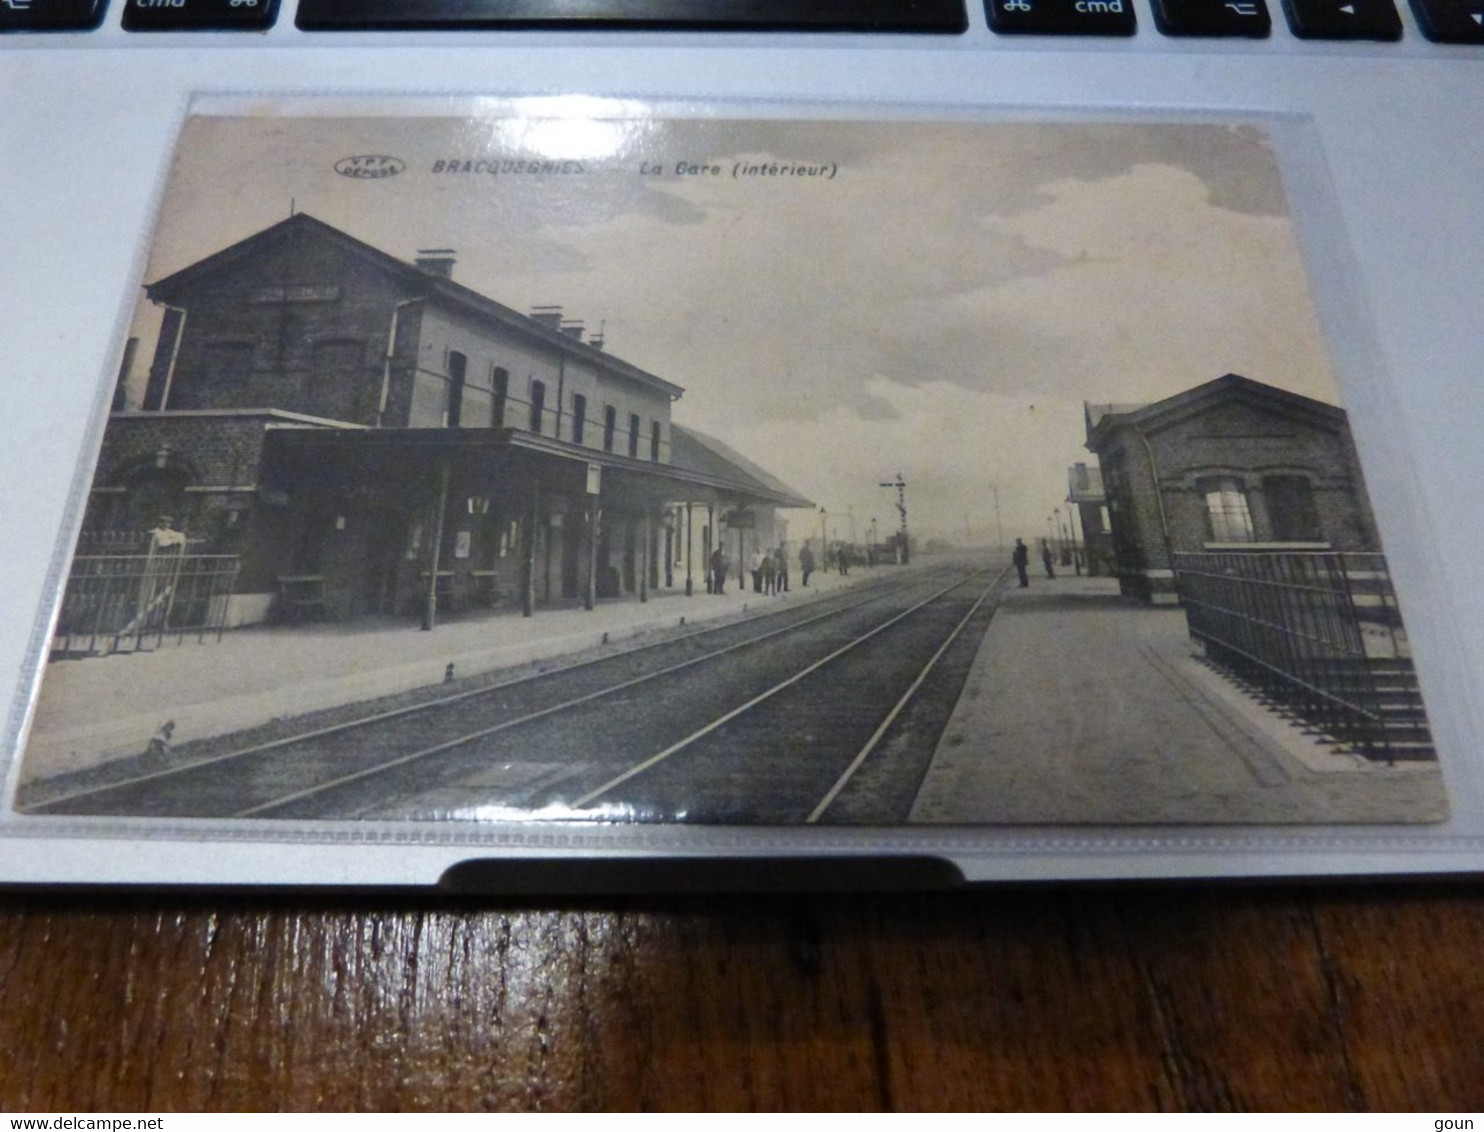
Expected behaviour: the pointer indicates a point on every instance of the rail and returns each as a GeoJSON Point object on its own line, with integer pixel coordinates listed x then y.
{"type": "Point", "coordinates": [362, 760]}
{"type": "Point", "coordinates": [1317, 636]}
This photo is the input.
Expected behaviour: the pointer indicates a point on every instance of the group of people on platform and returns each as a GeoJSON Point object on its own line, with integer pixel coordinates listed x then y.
{"type": "Point", "coordinates": [769, 569]}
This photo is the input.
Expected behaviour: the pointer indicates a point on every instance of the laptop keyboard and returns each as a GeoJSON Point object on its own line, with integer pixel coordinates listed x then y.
{"type": "Point", "coordinates": [1442, 21]}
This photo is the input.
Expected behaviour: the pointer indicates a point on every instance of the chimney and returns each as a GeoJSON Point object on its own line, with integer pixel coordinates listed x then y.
{"type": "Point", "coordinates": [437, 261]}
{"type": "Point", "coordinates": [548, 316]}
{"type": "Point", "coordinates": [573, 329]}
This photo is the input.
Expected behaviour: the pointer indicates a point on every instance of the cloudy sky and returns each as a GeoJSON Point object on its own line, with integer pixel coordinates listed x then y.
{"type": "Point", "coordinates": [940, 306]}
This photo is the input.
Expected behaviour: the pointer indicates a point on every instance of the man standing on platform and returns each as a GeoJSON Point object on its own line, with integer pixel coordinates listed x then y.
{"type": "Point", "coordinates": [1021, 558]}
{"type": "Point", "coordinates": [718, 571]}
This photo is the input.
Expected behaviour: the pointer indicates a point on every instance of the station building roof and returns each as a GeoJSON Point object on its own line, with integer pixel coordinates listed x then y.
{"type": "Point", "coordinates": [701, 470]}
{"type": "Point", "coordinates": [1102, 419]}
{"type": "Point", "coordinates": [176, 288]}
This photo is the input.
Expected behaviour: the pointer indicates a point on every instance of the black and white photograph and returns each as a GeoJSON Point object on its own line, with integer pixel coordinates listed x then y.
{"type": "Point", "coordinates": [619, 466]}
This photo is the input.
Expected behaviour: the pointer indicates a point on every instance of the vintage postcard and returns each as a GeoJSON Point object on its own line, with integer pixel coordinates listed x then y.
{"type": "Point", "coordinates": [619, 467]}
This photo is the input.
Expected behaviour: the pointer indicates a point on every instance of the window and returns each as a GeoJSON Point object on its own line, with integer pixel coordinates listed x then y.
{"type": "Point", "coordinates": [458, 365]}
{"type": "Point", "coordinates": [538, 404]}
{"type": "Point", "coordinates": [634, 435]}
{"type": "Point", "coordinates": [1228, 518]}
{"type": "Point", "coordinates": [654, 440]}
{"type": "Point", "coordinates": [228, 364]}
{"type": "Point", "coordinates": [500, 383]}
{"type": "Point", "coordinates": [335, 366]}
{"type": "Point", "coordinates": [579, 417]}
{"type": "Point", "coordinates": [220, 378]}
{"type": "Point", "coordinates": [610, 426]}
{"type": "Point", "coordinates": [1291, 510]}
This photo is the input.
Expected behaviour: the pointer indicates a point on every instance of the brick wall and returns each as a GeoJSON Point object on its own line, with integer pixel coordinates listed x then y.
{"type": "Point", "coordinates": [202, 471]}
{"type": "Point", "coordinates": [300, 324]}
{"type": "Point", "coordinates": [1248, 443]}
{"type": "Point", "coordinates": [1236, 439]}
{"type": "Point", "coordinates": [218, 450]}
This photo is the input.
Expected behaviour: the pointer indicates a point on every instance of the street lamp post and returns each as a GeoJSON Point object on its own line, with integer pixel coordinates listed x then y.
{"type": "Point", "coordinates": [1076, 547]}
{"type": "Point", "coordinates": [1069, 530]}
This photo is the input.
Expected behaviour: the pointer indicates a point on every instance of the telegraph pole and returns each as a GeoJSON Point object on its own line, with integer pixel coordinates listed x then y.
{"type": "Point", "coordinates": [998, 530]}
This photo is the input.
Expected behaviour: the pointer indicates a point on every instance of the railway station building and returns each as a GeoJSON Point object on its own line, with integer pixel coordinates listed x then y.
{"type": "Point", "coordinates": [364, 435]}
{"type": "Point", "coordinates": [1230, 465]}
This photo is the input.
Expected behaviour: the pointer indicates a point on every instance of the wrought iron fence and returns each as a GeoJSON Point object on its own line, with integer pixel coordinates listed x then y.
{"type": "Point", "coordinates": [1318, 636]}
{"type": "Point", "coordinates": [136, 602]}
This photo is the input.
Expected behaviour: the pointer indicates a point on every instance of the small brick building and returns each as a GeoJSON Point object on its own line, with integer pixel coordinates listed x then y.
{"type": "Point", "coordinates": [370, 436]}
{"type": "Point", "coordinates": [1229, 465]}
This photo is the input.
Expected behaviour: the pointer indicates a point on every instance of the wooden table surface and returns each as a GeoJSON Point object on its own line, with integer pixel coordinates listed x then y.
{"type": "Point", "coordinates": [1178, 997]}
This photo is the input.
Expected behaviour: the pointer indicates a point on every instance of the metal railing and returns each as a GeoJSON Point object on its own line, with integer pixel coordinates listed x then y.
{"type": "Point", "coordinates": [1317, 636]}
{"type": "Point", "coordinates": [136, 602]}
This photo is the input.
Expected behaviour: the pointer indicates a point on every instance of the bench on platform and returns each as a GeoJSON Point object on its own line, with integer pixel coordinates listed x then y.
{"type": "Point", "coordinates": [302, 596]}
{"type": "Point", "coordinates": [484, 591]}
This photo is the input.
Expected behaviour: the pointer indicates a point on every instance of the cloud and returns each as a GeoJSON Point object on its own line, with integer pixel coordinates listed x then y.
{"type": "Point", "coordinates": [941, 307]}
{"type": "Point", "coordinates": [1160, 291]}
{"type": "Point", "coordinates": [1126, 288]}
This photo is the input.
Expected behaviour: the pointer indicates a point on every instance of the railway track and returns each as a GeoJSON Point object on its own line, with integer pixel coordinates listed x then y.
{"type": "Point", "coordinates": [602, 737]}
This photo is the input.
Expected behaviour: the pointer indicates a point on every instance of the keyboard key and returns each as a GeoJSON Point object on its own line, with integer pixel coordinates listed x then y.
{"type": "Point", "coordinates": [51, 15]}
{"type": "Point", "coordinates": [940, 17]}
{"type": "Point", "coordinates": [1343, 19]}
{"type": "Point", "coordinates": [1450, 21]}
{"type": "Point", "coordinates": [199, 15]}
{"type": "Point", "coordinates": [1213, 17]}
{"type": "Point", "coordinates": [1061, 17]}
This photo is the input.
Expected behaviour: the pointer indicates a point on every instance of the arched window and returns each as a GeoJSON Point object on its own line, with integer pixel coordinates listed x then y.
{"type": "Point", "coordinates": [634, 435]}
{"type": "Point", "coordinates": [218, 377]}
{"type": "Point", "coordinates": [610, 426]}
{"type": "Point", "coordinates": [579, 417]}
{"type": "Point", "coordinates": [1228, 518]}
{"type": "Point", "coordinates": [500, 384]}
{"type": "Point", "coordinates": [1291, 509]}
{"type": "Point", "coordinates": [335, 378]}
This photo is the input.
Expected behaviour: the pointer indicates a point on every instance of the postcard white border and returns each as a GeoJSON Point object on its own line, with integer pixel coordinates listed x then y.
{"type": "Point", "coordinates": [272, 851]}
